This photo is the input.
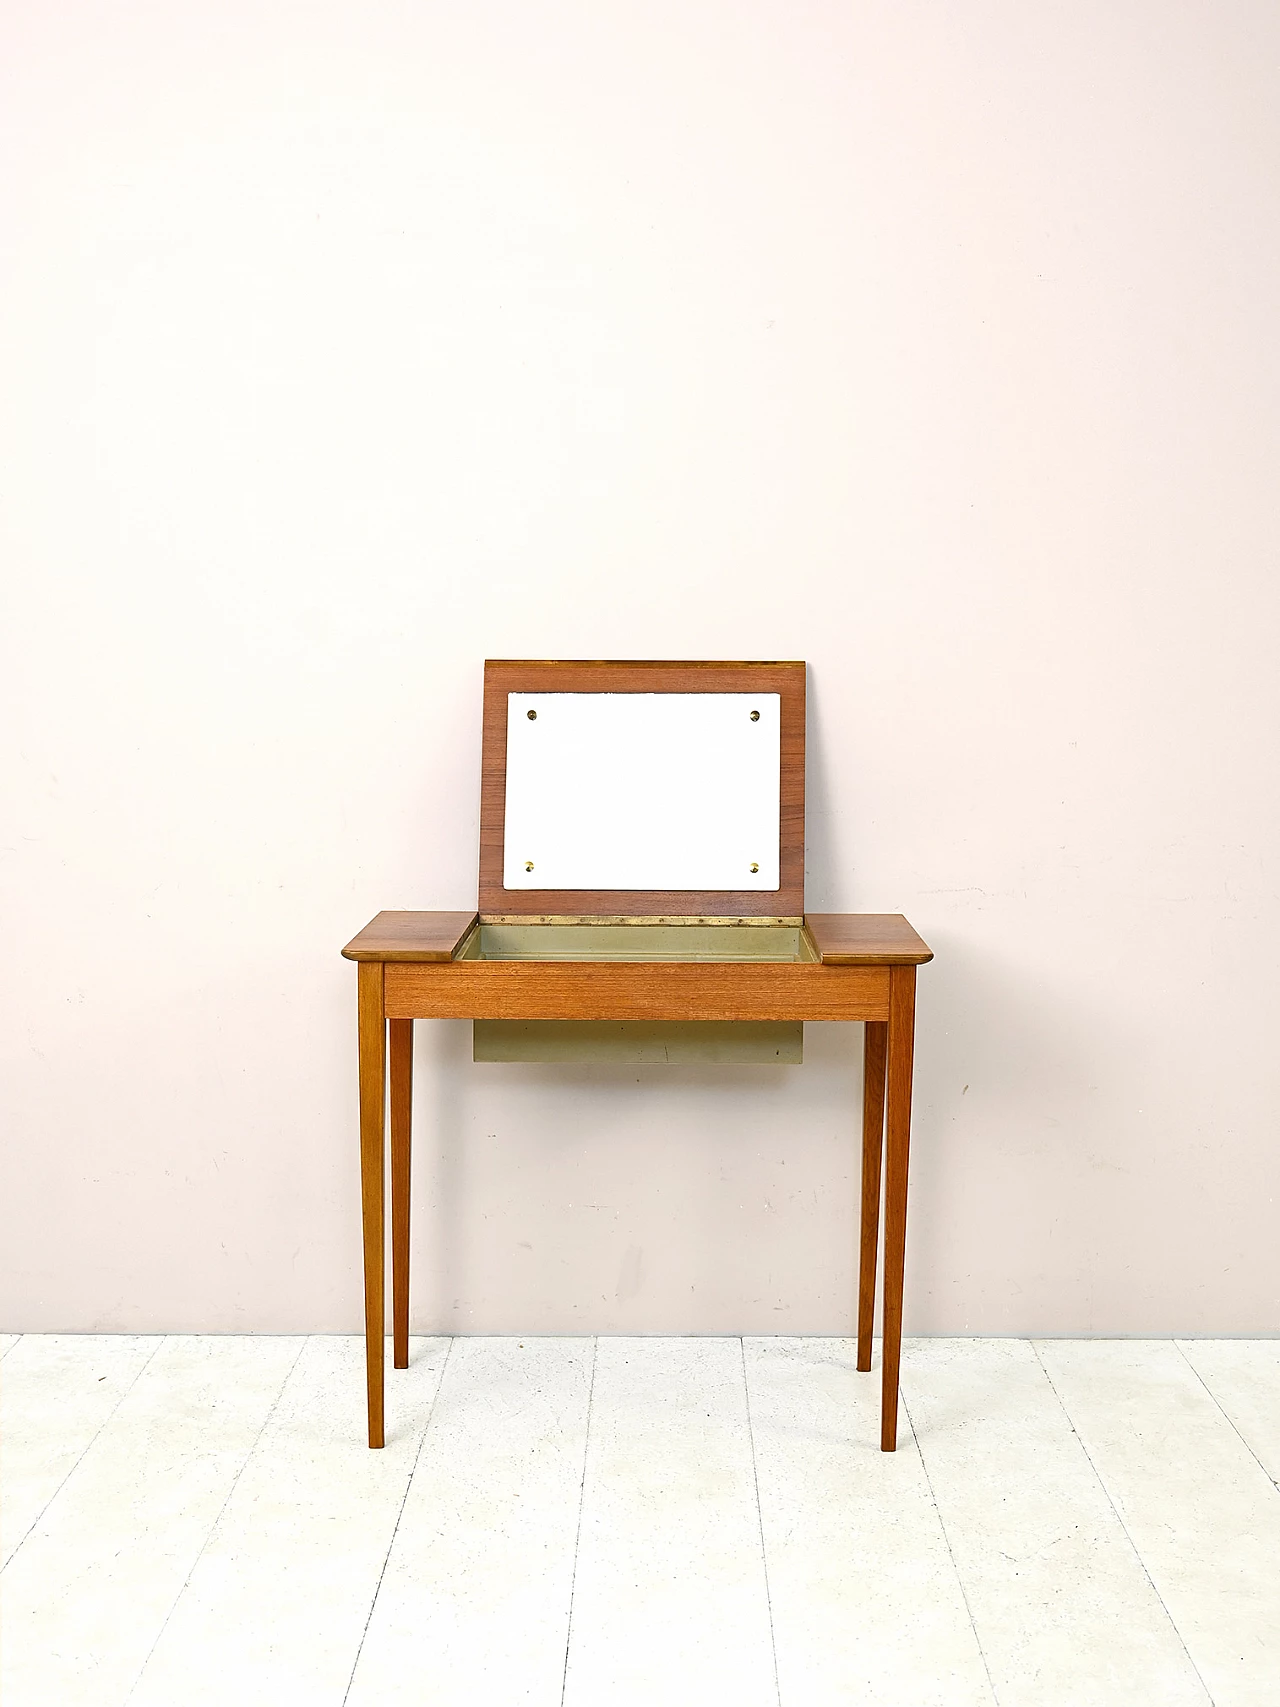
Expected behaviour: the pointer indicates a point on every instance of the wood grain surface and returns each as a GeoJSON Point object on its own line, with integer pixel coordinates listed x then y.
{"type": "Point", "coordinates": [400, 1099]}
{"type": "Point", "coordinates": [873, 1072]}
{"type": "Point", "coordinates": [866, 939]}
{"type": "Point", "coordinates": [504, 676]}
{"type": "Point", "coordinates": [900, 1051]}
{"type": "Point", "coordinates": [411, 936]}
{"type": "Point", "coordinates": [373, 1096]}
{"type": "Point", "coordinates": [535, 989]}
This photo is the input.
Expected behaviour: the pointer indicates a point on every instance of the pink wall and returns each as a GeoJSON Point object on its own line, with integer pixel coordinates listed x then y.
{"type": "Point", "coordinates": [348, 343]}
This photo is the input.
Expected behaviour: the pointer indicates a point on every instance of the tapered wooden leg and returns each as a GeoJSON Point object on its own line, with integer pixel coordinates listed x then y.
{"type": "Point", "coordinates": [373, 1093]}
{"type": "Point", "coordinates": [400, 1039]}
{"type": "Point", "coordinates": [873, 1057]}
{"type": "Point", "coordinates": [900, 1049]}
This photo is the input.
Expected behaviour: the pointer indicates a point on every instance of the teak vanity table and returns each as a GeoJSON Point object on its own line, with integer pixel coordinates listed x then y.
{"type": "Point", "coordinates": [641, 899]}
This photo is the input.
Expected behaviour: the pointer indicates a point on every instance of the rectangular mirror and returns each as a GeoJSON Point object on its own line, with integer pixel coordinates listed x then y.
{"type": "Point", "coordinates": [639, 791]}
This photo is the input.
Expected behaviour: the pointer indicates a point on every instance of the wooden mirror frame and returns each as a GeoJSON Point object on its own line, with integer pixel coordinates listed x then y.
{"type": "Point", "coordinates": [784, 905]}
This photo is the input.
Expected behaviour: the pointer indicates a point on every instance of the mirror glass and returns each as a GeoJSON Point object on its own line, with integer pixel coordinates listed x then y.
{"type": "Point", "coordinates": [642, 791]}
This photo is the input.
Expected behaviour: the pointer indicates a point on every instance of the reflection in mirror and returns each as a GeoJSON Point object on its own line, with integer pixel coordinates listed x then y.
{"type": "Point", "coordinates": [648, 791]}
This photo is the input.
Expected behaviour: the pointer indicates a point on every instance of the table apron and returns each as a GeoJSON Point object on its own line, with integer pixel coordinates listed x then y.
{"type": "Point", "coordinates": [619, 990]}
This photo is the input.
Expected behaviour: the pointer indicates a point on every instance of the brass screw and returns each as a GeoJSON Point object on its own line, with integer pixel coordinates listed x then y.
{"type": "Point", "coordinates": [528, 865]}
{"type": "Point", "coordinates": [754, 866]}
{"type": "Point", "coordinates": [532, 716]}
{"type": "Point", "coordinates": [755, 717]}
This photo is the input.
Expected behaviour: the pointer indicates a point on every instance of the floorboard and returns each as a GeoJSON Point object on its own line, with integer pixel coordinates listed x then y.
{"type": "Point", "coordinates": [275, 1607]}
{"type": "Point", "coordinates": [1243, 1377]}
{"type": "Point", "coordinates": [64, 1388]}
{"type": "Point", "coordinates": [474, 1602]}
{"type": "Point", "coordinates": [670, 1601]}
{"type": "Point", "coordinates": [1201, 1512]}
{"type": "Point", "coordinates": [1060, 1601]}
{"type": "Point", "coordinates": [88, 1592]}
{"type": "Point", "coordinates": [867, 1605]}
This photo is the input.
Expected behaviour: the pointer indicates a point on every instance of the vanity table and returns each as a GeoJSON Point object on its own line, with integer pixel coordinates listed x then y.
{"type": "Point", "coordinates": [641, 899]}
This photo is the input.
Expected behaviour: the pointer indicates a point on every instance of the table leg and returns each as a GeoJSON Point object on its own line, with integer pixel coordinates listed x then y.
{"type": "Point", "coordinates": [873, 1059]}
{"type": "Point", "coordinates": [373, 1091]}
{"type": "Point", "coordinates": [400, 1061]}
{"type": "Point", "coordinates": [901, 1046]}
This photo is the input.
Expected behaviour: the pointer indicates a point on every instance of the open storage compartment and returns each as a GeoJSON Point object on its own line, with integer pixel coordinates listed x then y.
{"type": "Point", "coordinates": [639, 940]}
{"type": "Point", "coordinates": [647, 1042]}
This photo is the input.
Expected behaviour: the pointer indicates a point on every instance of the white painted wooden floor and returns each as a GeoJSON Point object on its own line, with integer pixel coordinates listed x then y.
{"type": "Point", "coordinates": [192, 1520]}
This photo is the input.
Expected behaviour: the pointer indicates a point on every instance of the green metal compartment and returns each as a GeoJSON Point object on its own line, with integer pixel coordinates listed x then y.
{"type": "Point", "coordinates": [662, 1043]}
{"type": "Point", "coordinates": [640, 942]}
{"type": "Point", "coordinates": [646, 1042]}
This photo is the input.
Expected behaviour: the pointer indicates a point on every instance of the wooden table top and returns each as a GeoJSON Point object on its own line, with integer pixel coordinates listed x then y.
{"type": "Point", "coordinates": [866, 939]}
{"type": "Point", "coordinates": [842, 939]}
{"type": "Point", "coordinates": [410, 936]}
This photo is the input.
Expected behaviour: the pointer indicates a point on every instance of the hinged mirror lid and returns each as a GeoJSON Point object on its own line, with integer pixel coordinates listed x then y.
{"type": "Point", "coordinates": [626, 790]}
